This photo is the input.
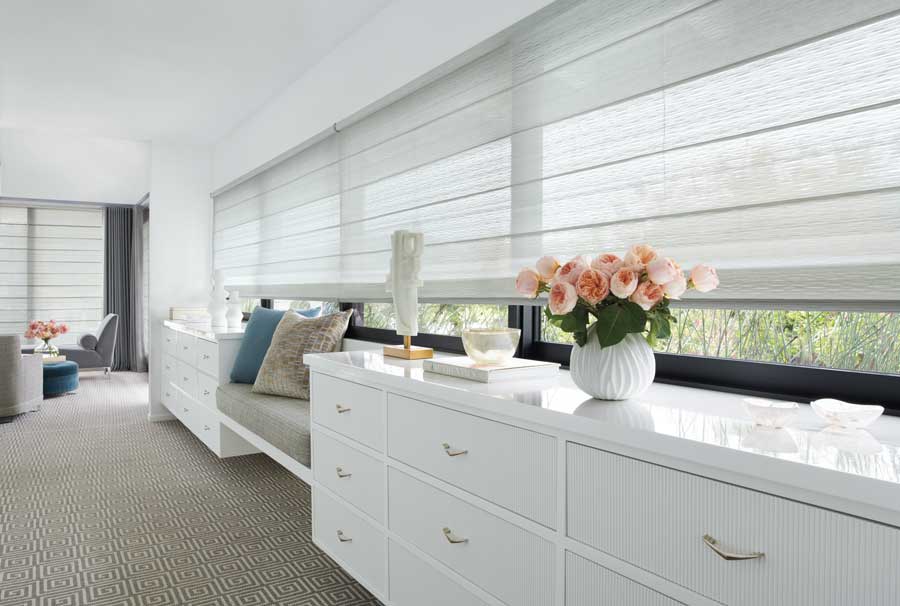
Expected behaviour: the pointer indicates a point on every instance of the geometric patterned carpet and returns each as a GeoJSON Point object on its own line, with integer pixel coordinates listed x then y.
{"type": "Point", "coordinates": [100, 507]}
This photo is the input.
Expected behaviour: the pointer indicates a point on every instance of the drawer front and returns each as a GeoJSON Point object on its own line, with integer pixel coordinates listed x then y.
{"type": "Point", "coordinates": [184, 409]}
{"type": "Point", "coordinates": [507, 561]}
{"type": "Point", "coordinates": [656, 518]}
{"type": "Point", "coordinates": [204, 423]}
{"type": "Point", "coordinates": [208, 357]}
{"type": "Point", "coordinates": [590, 584]}
{"type": "Point", "coordinates": [186, 348]}
{"type": "Point", "coordinates": [169, 369]}
{"type": "Point", "coordinates": [358, 545]}
{"type": "Point", "coordinates": [354, 476]}
{"type": "Point", "coordinates": [415, 583]}
{"type": "Point", "coordinates": [170, 341]}
{"type": "Point", "coordinates": [206, 390]}
{"type": "Point", "coordinates": [512, 467]}
{"type": "Point", "coordinates": [350, 409]}
{"type": "Point", "coordinates": [169, 396]}
{"type": "Point", "coordinates": [186, 379]}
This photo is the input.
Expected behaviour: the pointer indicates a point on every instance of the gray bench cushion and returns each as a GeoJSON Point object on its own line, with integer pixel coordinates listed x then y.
{"type": "Point", "coordinates": [283, 422]}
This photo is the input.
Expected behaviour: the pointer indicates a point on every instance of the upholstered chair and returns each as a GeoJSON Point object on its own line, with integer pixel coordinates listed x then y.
{"type": "Point", "coordinates": [21, 378]}
{"type": "Point", "coordinates": [95, 350]}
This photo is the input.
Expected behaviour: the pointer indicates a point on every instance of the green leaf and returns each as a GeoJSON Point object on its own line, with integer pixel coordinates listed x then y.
{"type": "Point", "coordinates": [616, 321]}
{"type": "Point", "coordinates": [581, 338]}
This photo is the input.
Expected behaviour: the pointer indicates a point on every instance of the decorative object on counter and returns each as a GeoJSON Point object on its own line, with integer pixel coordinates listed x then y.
{"type": "Point", "coordinates": [217, 300]}
{"type": "Point", "coordinates": [844, 414]}
{"type": "Point", "coordinates": [46, 332]}
{"type": "Point", "coordinates": [235, 314]}
{"type": "Point", "coordinates": [189, 314]}
{"type": "Point", "coordinates": [515, 369]}
{"type": "Point", "coordinates": [491, 345]}
{"type": "Point", "coordinates": [771, 413]}
{"type": "Point", "coordinates": [607, 303]}
{"type": "Point", "coordinates": [403, 283]}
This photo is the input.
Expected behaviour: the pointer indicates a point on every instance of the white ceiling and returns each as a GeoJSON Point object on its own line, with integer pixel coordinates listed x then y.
{"type": "Point", "coordinates": [176, 70]}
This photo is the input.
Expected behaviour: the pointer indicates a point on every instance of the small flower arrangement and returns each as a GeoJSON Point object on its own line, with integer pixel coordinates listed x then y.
{"type": "Point", "coordinates": [45, 331]}
{"type": "Point", "coordinates": [609, 296]}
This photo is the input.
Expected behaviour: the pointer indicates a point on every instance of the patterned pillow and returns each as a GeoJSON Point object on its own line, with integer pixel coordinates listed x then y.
{"type": "Point", "coordinates": [282, 372]}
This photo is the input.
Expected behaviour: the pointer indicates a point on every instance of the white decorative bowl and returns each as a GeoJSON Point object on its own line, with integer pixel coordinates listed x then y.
{"type": "Point", "coordinates": [771, 413]}
{"type": "Point", "coordinates": [844, 414]}
{"type": "Point", "coordinates": [491, 346]}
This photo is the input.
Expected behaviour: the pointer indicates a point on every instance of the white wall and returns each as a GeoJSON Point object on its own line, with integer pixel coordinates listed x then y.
{"type": "Point", "coordinates": [404, 41]}
{"type": "Point", "coordinates": [56, 166]}
{"type": "Point", "coordinates": [180, 242]}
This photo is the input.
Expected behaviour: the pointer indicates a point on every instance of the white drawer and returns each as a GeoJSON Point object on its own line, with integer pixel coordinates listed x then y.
{"type": "Point", "coordinates": [503, 559]}
{"type": "Point", "coordinates": [169, 396]}
{"type": "Point", "coordinates": [169, 369]}
{"type": "Point", "coordinates": [186, 379]}
{"type": "Point", "coordinates": [349, 473]}
{"type": "Point", "coordinates": [656, 518]}
{"type": "Point", "coordinates": [415, 583]}
{"type": "Point", "coordinates": [590, 584]}
{"type": "Point", "coordinates": [186, 348]}
{"type": "Point", "coordinates": [208, 357]}
{"type": "Point", "coordinates": [353, 410]}
{"type": "Point", "coordinates": [204, 423]}
{"type": "Point", "coordinates": [354, 543]}
{"type": "Point", "coordinates": [512, 467]}
{"type": "Point", "coordinates": [206, 390]}
{"type": "Point", "coordinates": [169, 341]}
{"type": "Point", "coordinates": [184, 408]}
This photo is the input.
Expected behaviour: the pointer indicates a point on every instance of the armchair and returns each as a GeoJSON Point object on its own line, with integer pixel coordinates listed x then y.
{"type": "Point", "coordinates": [21, 378]}
{"type": "Point", "coordinates": [95, 350]}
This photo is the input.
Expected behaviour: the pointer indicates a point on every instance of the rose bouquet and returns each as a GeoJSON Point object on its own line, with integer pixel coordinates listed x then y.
{"type": "Point", "coordinates": [609, 297]}
{"type": "Point", "coordinates": [45, 331]}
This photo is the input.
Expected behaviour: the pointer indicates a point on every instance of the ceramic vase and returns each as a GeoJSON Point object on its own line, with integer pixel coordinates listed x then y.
{"type": "Point", "coordinates": [235, 314]}
{"type": "Point", "coordinates": [617, 372]}
{"type": "Point", "coordinates": [217, 298]}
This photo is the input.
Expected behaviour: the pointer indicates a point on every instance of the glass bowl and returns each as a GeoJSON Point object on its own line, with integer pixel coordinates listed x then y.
{"type": "Point", "coordinates": [844, 414]}
{"type": "Point", "coordinates": [771, 413]}
{"type": "Point", "coordinates": [491, 346]}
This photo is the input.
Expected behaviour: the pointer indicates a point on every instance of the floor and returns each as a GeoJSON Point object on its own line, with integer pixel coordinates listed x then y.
{"type": "Point", "coordinates": [100, 507]}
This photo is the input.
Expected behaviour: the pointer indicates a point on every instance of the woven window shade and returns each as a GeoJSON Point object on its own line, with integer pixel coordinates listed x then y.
{"type": "Point", "coordinates": [760, 136]}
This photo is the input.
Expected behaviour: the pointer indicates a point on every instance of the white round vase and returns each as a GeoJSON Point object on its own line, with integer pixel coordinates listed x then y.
{"type": "Point", "coordinates": [617, 372]}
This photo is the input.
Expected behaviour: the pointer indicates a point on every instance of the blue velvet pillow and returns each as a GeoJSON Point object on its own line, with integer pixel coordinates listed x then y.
{"type": "Point", "coordinates": [255, 344]}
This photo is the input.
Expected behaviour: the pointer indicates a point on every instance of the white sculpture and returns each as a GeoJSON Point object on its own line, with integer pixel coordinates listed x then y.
{"type": "Point", "coordinates": [217, 297]}
{"type": "Point", "coordinates": [403, 283]}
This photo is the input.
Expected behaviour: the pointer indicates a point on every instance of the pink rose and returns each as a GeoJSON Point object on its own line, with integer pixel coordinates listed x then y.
{"type": "Point", "coordinates": [571, 271]}
{"type": "Point", "coordinates": [562, 298]}
{"type": "Point", "coordinates": [29, 334]}
{"type": "Point", "coordinates": [33, 325]}
{"type": "Point", "coordinates": [640, 255]}
{"type": "Point", "coordinates": [624, 282]}
{"type": "Point", "coordinates": [546, 267]}
{"type": "Point", "coordinates": [647, 295]}
{"type": "Point", "coordinates": [63, 329]}
{"type": "Point", "coordinates": [704, 278]}
{"type": "Point", "coordinates": [592, 286]}
{"type": "Point", "coordinates": [676, 287]}
{"type": "Point", "coordinates": [607, 264]}
{"type": "Point", "coordinates": [528, 282]}
{"type": "Point", "coordinates": [662, 270]}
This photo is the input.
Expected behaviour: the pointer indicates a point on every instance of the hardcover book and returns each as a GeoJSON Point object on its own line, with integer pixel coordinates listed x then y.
{"type": "Point", "coordinates": [515, 369]}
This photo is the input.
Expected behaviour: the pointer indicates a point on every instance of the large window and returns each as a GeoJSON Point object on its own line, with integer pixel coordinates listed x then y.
{"type": "Point", "coordinates": [439, 318]}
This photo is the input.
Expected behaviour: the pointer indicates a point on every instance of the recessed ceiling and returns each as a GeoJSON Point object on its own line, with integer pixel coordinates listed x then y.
{"type": "Point", "coordinates": [176, 70]}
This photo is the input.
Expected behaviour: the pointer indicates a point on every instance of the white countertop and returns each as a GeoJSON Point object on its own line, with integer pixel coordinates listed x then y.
{"type": "Point", "coordinates": [205, 330]}
{"type": "Point", "coordinates": [697, 430]}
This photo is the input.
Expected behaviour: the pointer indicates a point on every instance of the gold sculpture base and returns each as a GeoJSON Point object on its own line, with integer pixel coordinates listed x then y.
{"type": "Point", "coordinates": [408, 351]}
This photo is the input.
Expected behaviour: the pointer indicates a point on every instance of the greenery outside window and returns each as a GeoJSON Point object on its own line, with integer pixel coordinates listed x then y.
{"type": "Point", "coordinates": [439, 318]}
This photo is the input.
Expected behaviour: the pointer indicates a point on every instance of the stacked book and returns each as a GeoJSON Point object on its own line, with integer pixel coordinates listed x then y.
{"type": "Point", "coordinates": [516, 369]}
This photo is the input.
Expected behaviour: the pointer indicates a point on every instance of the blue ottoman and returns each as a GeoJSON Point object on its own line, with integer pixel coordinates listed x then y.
{"type": "Point", "coordinates": [60, 378]}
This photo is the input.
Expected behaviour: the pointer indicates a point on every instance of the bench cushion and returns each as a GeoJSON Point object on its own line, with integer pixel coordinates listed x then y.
{"type": "Point", "coordinates": [282, 422]}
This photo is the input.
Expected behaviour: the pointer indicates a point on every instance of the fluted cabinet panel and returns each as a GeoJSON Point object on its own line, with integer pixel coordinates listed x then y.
{"type": "Point", "coordinates": [590, 584]}
{"type": "Point", "coordinates": [656, 518]}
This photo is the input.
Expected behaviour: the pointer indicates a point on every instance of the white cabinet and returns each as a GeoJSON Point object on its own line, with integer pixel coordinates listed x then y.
{"type": "Point", "coordinates": [590, 584]}
{"type": "Point", "coordinates": [415, 583]}
{"type": "Point", "coordinates": [350, 473]}
{"type": "Point", "coordinates": [351, 409]}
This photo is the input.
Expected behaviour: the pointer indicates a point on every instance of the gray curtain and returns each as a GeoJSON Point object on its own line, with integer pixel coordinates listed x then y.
{"type": "Point", "coordinates": [123, 288]}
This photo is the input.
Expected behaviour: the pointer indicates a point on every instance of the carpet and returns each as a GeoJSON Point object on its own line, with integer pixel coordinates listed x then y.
{"type": "Point", "coordinates": [100, 507]}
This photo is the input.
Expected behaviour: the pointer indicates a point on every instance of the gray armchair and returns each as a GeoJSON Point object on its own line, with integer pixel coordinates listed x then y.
{"type": "Point", "coordinates": [95, 351]}
{"type": "Point", "coordinates": [21, 378]}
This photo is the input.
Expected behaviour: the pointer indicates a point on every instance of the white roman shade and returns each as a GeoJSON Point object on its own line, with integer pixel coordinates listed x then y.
{"type": "Point", "coordinates": [51, 268]}
{"type": "Point", "coordinates": [760, 136]}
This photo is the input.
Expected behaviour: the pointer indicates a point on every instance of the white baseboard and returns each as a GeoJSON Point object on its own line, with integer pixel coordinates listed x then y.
{"type": "Point", "coordinates": [159, 418]}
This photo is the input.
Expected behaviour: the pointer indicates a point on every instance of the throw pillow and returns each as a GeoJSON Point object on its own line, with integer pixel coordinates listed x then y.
{"type": "Point", "coordinates": [88, 341]}
{"type": "Point", "coordinates": [257, 337]}
{"type": "Point", "coordinates": [283, 372]}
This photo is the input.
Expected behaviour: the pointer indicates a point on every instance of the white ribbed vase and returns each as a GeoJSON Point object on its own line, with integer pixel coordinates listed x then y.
{"type": "Point", "coordinates": [617, 372]}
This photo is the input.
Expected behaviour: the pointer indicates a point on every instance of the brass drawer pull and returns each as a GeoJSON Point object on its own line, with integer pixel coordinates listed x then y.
{"type": "Point", "coordinates": [185, 410]}
{"type": "Point", "coordinates": [341, 473]}
{"type": "Point", "coordinates": [206, 428]}
{"type": "Point", "coordinates": [342, 537]}
{"type": "Point", "coordinates": [341, 409]}
{"type": "Point", "coordinates": [206, 356]}
{"type": "Point", "coordinates": [727, 555]}
{"type": "Point", "coordinates": [453, 452]}
{"type": "Point", "coordinates": [185, 347]}
{"type": "Point", "coordinates": [186, 379]}
{"type": "Point", "coordinates": [205, 392]}
{"type": "Point", "coordinates": [452, 538]}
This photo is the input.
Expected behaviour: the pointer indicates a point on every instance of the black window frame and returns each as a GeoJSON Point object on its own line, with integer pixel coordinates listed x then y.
{"type": "Point", "coordinates": [764, 379]}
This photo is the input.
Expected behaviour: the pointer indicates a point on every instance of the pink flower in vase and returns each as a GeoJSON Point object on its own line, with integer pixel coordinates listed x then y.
{"type": "Point", "coordinates": [647, 295]}
{"type": "Point", "coordinates": [563, 298]}
{"type": "Point", "coordinates": [592, 286]}
{"type": "Point", "coordinates": [607, 264]}
{"type": "Point", "coordinates": [704, 278]}
{"type": "Point", "coordinates": [528, 283]}
{"type": "Point", "coordinates": [624, 282]}
{"type": "Point", "coordinates": [571, 271]}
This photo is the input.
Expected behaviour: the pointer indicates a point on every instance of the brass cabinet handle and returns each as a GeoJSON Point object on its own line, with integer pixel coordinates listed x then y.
{"type": "Point", "coordinates": [342, 537]}
{"type": "Point", "coordinates": [341, 473]}
{"type": "Point", "coordinates": [453, 452]}
{"type": "Point", "coordinates": [168, 395]}
{"type": "Point", "coordinates": [727, 555]}
{"type": "Point", "coordinates": [452, 538]}
{"type": "Point", "coordinates": [206, 428]}
{"type": "Point", "coordinates": [206, 356]}
{"type": "Point", "coordinates": [341, 409]}
{"type": "Point", "coordinates": [205, 392]}
{"type": "Point", "coordinates": [186, 379]}
{"type": "Point", "coordinates": [185, 348]}
{"type": "Point", "coordinates": [185, 410]}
